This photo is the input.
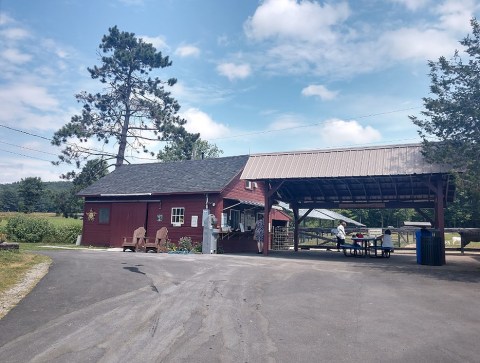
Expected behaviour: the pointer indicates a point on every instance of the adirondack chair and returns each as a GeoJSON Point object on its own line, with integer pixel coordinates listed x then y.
{"type": "Point", "coordinates": [136, 241]}
{"type": "Point", "coordinates": [159, 243]}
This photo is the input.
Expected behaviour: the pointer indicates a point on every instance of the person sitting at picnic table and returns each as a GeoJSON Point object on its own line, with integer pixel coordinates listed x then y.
{"type": "Point", "coordinates": [355, 242]}
{"type": "Point", "coordinates": [387, 239]}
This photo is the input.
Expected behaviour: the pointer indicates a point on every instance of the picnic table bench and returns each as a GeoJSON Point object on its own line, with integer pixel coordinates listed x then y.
{"type": "Point", "coordinates": [385, 251]}
{"type": "Point", "coordinates": [352, 250]}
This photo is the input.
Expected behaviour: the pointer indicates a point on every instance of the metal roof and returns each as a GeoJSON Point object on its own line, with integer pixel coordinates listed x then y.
{"type": "Point", "coordinates": [393, 176]}
{"type": "Point", "coordinates": [389, 160]}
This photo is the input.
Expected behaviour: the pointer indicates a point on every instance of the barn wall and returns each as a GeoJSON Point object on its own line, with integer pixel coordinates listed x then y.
{"type": "Point", "coordinates": [155, 213]}
{"type": "Point", "coordinates": [124, 219]}
{"type": "Point", "coordinates": [237, 190]}
{"type": "Point", "coordinates": [93, 233]}
{"type": "Point", "coordinates": [159, 215]}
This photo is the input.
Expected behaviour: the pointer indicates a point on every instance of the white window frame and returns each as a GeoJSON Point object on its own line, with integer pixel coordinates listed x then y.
{"type": "Point", "coordinates": [248, 185]}
{"type": "Point", "coordinates": [177, 216]}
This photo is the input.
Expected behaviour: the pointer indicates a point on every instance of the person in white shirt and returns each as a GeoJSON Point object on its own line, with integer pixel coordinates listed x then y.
{"type": "Point", "coordinates": [341, 234]}
{"type": "Point", "coordinates": [387, 243]}
{"type": "Point", "coordinates": [387, 239]}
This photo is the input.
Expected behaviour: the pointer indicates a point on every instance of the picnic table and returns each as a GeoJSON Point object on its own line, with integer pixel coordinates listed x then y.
{"type": "Point", "coordinates": [364, 246]}
{"type": "Point", "coordinates": [365, 243]}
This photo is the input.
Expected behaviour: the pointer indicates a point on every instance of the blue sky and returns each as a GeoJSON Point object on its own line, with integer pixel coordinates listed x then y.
{"type": "Point", "coordinates": [253, 76]}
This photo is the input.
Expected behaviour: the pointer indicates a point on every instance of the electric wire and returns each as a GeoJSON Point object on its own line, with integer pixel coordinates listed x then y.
{"type": "Point", "coordinates": [211, 139]}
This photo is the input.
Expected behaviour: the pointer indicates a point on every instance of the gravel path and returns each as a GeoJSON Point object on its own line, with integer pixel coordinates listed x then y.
{"type": "Point", "coordinates": [15, 294]}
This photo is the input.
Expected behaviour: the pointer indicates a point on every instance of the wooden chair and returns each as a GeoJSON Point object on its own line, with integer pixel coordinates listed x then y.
{"type": "Point", "coordinates": [136, 241]}
{"type": "Point", "coordinates": [160, 241]}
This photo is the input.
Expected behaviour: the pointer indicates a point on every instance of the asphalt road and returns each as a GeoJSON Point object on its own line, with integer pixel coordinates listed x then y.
{"type": "Point", "coordinates": [99, 306]}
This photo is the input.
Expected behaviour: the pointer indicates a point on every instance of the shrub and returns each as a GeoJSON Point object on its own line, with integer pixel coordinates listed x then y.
{"type": "Point", "coordinates": [185, 243]}
{"type": "Point", "coordinates": [63, 234]}
{"type": "Point", "coordinates": [21, 228]}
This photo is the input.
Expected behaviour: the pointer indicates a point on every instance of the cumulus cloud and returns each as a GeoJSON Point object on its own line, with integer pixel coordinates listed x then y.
{"type": "Point", "coordinates": [303, 20]}
{"type": "Point", "coordinates": [319, 91]}
{"type": "Point", "coordinates": [200, 122]}
{"type": "Point", "coordinates": [340, 132]}
{"type": "Point", "coordinates": [187, 51]}
{"type": "Point", "coordinates": [455, 15]}
{"type": "Point", "coordinates": [158, 42]}
{"type": "Point", "coordinates": [15, 33]}
{"type": "Point", "coordinates": [16, 168]}
{"type": "Point", "coordinates": [412, 5]}
{"type": "Point", "coordinates": [413, 43]}
{"type": "Point", "coordinates": [234, 71]}
{"type": "Point", "coordinates": [308, 37]}
{"type": "Point", "coordinates": [15, 56]}
{"type": "Point", "coordinates": [30, 106]}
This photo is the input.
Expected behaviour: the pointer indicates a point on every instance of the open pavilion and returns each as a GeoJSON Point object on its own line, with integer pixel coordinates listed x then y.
{"type": "Point", "coordinates": [392, 176]}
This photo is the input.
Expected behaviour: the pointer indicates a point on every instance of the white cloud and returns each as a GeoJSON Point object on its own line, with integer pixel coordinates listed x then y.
{"type": "Point", "coordinates": [5, 19]}
{"type": "Point", "coordinates": [133, 2]}
{"type": "Point", "coordinates": [305, 20]}
{"type": "Point", "coordinates": [187, 51]}
{"type": "Point", "coordinates": [339, 132]}
{"type": "Point", "coordinates": [414, 43]}
{"type": "Point", "coordinates": [15, 168]}
{"type": "Point", "coordinates": [285, 122]}
{"type": "Point", "coordinates": [305, 37]}
{"type": "Point", "coordinates": [158, 42]}
{"type": "Point", "coordinates": [412, 5]}
{"type": "Point", "coordinates": [14, 33]}
{"type": "Point", "coordinates": [30, 106]}
{"type": "Point", "coordinates": [14, 56]}
{"type": "Point", "coordinates": [455, 15]}
{"type": "Point", "coordinates": [234, 71]}
{"type": "Point", "coordinates": [199, 122]}
{"type": "Point", "coordinates": [319, 91]}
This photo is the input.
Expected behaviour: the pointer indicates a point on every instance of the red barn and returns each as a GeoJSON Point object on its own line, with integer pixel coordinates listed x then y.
{"type": "Point", "coordinates": [174, 195]}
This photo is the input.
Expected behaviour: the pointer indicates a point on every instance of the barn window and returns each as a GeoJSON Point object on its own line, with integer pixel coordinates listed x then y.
{"type": "Point", "coordinates": [178, 216]}
{"type": "Point", "coordinates": [104, 215]}
{"type": "Point", "coordinates": [248, 185]}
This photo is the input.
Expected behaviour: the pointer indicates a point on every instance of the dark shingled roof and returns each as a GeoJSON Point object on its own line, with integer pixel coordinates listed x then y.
{"type": "Point", "coordinates": [189, 176]}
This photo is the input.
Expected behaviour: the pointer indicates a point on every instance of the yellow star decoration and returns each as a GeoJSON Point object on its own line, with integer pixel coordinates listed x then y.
{"type": "Point", "coordinates": [91, 215]}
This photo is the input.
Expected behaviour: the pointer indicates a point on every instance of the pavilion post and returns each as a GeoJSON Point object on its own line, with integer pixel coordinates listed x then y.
{"type": "Point", "coordinates": [295, 230]}
{"type": "Point", "coordinates": [440, 216]}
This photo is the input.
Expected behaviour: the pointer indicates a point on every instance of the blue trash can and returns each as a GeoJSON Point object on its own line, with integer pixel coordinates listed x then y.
{"type": "Point", "coordinates": [418, 237]}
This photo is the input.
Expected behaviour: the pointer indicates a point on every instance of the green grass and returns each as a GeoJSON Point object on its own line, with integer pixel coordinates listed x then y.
{"type": "Point", "coordinates": [51, 217]}
{"type": "Point", "coordinates": [14, 266]}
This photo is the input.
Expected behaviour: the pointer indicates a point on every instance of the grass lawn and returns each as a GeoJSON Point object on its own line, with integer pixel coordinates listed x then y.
{"type": "Point", "coordinates": [14, 266]}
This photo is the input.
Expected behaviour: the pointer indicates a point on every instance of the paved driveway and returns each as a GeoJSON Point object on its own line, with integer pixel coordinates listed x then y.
{"type": "Point", "coordinates": [98, 306]}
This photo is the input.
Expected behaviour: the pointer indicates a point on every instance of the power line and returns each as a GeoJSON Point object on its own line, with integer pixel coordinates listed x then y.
{"type": "Point", "coordinates": [219, 138]}
{"type": "Point", "coordinates": [28, 148]}
{"type": "Point", "coordinates": [25, 132]}
{"type": "Point", "coordinates": [80, 147]}
{"type": "Point", "coordinates": [309, 125]}
{"type": "Point", "coordinates": [27, 156]}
